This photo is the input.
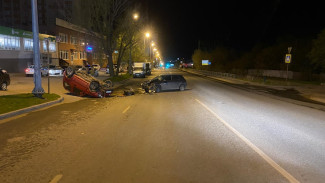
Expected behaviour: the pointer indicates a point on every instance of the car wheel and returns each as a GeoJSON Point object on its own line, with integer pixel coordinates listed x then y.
{"type": "Point", "coordinates": [181, 87]}
{"type": "Point", "coordinates": [4, 86]}
{"type": "Point", "coordinates": [109, 82]}
{"type": "Point", "coordinates": [94, 85]}
{"type": "Point", "coordinates": [70, 71]}
{"type": "Point", "coordinates": [158, 89]}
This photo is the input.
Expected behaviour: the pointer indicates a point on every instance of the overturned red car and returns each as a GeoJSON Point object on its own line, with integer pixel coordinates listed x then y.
{"type": "Point", "coordinates": [80, 83]}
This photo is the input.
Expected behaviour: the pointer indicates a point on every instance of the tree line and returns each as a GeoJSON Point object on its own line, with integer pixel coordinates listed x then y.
{"type": "Point", "coordinates": [308, 57]}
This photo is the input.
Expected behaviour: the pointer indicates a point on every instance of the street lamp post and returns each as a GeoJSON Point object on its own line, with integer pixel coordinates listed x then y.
{"type": "Point", "coordinates": [48, 63]}
{"type": "Point", "coordinates": [151, 51]}
{"type": "Point", "coordinates": [147, 35]}
{"type": "Point", "coordinates": [135, 17]}
{"type": "Point", "coordinates": [38, 91]}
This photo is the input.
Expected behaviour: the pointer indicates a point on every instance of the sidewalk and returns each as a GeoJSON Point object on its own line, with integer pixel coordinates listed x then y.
{"type": "Point", "coordinates": [308, 91]}
{"type": "Point", "coordinates": [21, 84]}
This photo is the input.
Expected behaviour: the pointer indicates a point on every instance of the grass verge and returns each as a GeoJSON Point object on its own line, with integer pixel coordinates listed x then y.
{"type": "Point", "coordinates": [9, 103]}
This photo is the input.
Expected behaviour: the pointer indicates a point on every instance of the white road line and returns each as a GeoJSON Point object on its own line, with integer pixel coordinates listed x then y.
{"type": "Point", "coordinates": [57, 178]}
{"type": "Point", "coordinates": [255, 148]}
{"type": "Point", "coordinates": [125, 110]}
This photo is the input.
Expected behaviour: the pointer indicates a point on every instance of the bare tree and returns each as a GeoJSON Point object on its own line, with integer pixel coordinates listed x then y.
{"type": "Point", "coordinates": [102, 17]}
{"type": "Point", "coordinates": [128, 29]}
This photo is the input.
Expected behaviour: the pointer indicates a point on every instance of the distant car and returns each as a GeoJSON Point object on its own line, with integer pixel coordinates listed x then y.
{"type": "Point", "coordinates": [4, 79]}
{"type": "Point", "coordinates": [80, 83]}
{"type": "Point", "coordinates": [29, 71]}
{"type": "Point", "coordinates": [165, 82]}
{"type": "Point", "coordinates": [55, 70]}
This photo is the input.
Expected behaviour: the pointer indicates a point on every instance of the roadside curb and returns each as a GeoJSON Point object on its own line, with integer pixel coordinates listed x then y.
{"type": "Point", "coordinates": [29, 109]}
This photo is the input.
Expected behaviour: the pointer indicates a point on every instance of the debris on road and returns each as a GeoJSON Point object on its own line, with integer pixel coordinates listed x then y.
{"type": "Point", "coordinates": [128, 92]}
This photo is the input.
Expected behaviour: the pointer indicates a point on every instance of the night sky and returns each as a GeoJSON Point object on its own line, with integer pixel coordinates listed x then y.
{"type": "Point", "coordinates": [236, 24]}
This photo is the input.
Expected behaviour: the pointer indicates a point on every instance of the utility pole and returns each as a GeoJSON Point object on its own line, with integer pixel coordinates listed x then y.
{"type": "Point", "coordinates": [38, 91]}
{"type": "Point", "coordinates": [288, 61]}
{"type": "Point", "coordinates": [48, 63]}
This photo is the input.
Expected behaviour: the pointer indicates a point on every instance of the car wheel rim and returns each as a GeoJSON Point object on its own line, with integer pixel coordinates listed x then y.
{"type": "Point", "coordinates": [3, 86]}
{"type": "Point", "coordinates": [94, 85]}
{"type": "Point", "coordinates": [69, 71]}
{"type": "Point", "coordinates": [181, 87]}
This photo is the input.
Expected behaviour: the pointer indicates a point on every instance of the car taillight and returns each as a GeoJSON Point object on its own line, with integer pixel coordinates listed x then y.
{"type": "Point", "coordinates": [27, 70]}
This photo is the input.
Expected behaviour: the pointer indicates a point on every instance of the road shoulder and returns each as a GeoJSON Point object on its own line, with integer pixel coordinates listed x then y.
{"type": "Point", "coordinates": [301, 94]}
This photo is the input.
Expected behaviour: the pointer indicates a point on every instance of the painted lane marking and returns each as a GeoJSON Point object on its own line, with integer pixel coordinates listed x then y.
{"type": "Point", "coordinates": [57, 178]}
{"type": "Point", "coordinates": [277, 167]}
{"type": "Point", "coordinates": [125, 110]}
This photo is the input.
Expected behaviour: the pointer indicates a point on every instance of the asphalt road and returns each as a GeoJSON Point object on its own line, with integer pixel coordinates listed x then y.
{"type": "Point", "coordinates": [210, 132]}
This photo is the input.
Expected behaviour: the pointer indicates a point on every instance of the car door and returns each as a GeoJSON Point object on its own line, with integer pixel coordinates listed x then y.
{"type": "Point", "coordinates": [166, 81]}
{"type": "Point", "coordinates": [175, 83]}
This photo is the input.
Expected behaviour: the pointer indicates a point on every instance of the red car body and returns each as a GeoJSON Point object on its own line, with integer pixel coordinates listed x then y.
{"type": "Point", "coordinates": [83, 84]}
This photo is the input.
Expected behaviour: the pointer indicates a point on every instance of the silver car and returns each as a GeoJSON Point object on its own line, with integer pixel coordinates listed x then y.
{"type": "Point", "coordinates": [165, 82]}
{"type": "Point", "coordinates": [55, 70]}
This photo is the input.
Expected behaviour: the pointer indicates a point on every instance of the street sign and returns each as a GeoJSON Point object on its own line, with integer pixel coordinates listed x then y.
{"type": "Point", "coordinates": [206, 62]}
{"type": "Point", "coordinates": [288, 59]}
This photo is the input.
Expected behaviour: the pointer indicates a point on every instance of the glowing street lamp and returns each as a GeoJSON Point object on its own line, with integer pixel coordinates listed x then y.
{"type": "Point", "coordinates": [135, 16]}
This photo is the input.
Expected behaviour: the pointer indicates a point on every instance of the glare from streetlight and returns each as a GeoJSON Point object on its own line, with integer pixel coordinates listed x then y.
{"type": "Point", "coordinates": [147, 34]}
{"type": "Point", "coordinates": [135, 16]}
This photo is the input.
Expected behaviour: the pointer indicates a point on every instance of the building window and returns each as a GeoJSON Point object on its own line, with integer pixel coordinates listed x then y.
{"type": "Point", "coordinates": [9, 42]}
{"type": "Point", "coordinates": [63, 37]}
{"type": "Point", "coordinates": [52, 46]}
{"type": "Point", "coordinates": [64, 54]}
{"type": "Point", "coordinates": [74, 56]}
{"type": "Point", "coordinates": [82, 42]}
{"type": "Point", "coordinates": [73, 40]}
{"type": "Point", "coordinates": [28, 44]}
{"type": "Point", "coordinates": [82, 55]}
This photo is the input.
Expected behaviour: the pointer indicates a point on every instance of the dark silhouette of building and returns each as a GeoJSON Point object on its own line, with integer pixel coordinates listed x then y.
{"type": "Point", "coordinates": [17, 14]}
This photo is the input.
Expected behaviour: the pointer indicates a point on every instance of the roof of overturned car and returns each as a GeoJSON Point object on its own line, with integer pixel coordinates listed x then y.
{"type": "Point", "coordinates": [80, 83]}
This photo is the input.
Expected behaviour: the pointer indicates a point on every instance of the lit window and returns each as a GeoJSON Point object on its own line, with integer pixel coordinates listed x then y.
{"type": "Point", "coordinates": [9, 42]}
{"type": "Point", "coordinates": [52, 46]}
{"type": "Point", "coordinates": [28, 44]}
